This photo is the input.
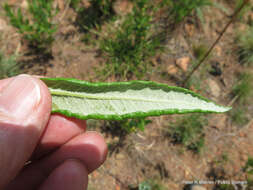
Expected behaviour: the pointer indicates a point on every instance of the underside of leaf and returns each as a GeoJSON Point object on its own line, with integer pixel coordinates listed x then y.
{"type": "Point", "coordinates": [122, 100]}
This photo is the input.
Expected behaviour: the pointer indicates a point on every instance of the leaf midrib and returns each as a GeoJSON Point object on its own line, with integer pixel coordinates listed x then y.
{"type": "Point", "coordinates": [83, 96]}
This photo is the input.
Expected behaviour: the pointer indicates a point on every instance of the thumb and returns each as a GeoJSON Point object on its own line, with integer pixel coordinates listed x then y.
{"type": "Point", "coordinates": [25, 105]}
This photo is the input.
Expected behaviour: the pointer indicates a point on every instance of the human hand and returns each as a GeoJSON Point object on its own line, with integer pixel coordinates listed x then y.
{"type": "Point", "coordinates": [60, 152]}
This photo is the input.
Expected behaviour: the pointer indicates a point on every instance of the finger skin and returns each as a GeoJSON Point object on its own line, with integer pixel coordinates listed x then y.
{"type": "Point", "coordinates": [89, 148]}
{"type": "Point", "coordinates": [71, 175]}
{"type": "Point", "coordinates": [19, 137]}
{"type": "Point", "coordinates": [22, 120]}
{"type": "Point", "coordinates": [59, 130]}
{"type": "Point", "coordinates": [5, 82]}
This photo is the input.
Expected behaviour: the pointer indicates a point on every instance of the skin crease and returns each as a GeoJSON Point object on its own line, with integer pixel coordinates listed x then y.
{"type": "Point", "coordinates": [60, 151]}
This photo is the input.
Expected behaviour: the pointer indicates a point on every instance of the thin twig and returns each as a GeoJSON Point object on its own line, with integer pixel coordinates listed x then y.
{"type": "Point", "coordinates": [245, 127]}
{"type": "Point", "coordinates": [245, 2]}
{"type": "Point", "coordinates": [17, 49]}
{"type": "Point", "coordinates": [235, 133]}
{"type": "Point", "coordinates": [225, 135]}
{"type": "Point", "coordinates": [65, 11]}
{"type": "Point", "coordinates": [233, 101]}
{"type": "Point", "coordinates": [187, 168]}
{"type": "Point", "coordinates": [93, 31]}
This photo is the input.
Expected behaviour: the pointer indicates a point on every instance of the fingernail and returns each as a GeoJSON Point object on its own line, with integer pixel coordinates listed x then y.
{"type": "Point", "coordinates": [20, 98]}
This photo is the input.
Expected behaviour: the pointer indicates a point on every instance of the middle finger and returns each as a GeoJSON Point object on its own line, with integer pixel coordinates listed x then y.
{"type": "Point", "coordinates": [59, 130]}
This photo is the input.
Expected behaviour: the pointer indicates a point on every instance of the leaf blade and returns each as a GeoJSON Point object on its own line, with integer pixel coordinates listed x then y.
{"type": "Point", "coordinates": [123, 100]}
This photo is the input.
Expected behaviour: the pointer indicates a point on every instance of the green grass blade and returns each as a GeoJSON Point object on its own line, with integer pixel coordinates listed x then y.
{"type": "Point", "coordinates": [122, 100]}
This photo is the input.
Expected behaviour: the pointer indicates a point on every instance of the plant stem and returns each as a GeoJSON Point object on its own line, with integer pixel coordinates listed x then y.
{"type": "Point", "coordinates": [65, 11]}
{"type": "Point", "coordinates": [233, 101]}
{"type": "Point", "coordinates": [245, 2]}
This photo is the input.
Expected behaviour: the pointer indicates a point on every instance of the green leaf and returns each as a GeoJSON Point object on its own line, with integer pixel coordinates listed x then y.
{"type": "Point", "coordinates": [144, 186]}
{"type": "Point", "coordinates": [122, 100]}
